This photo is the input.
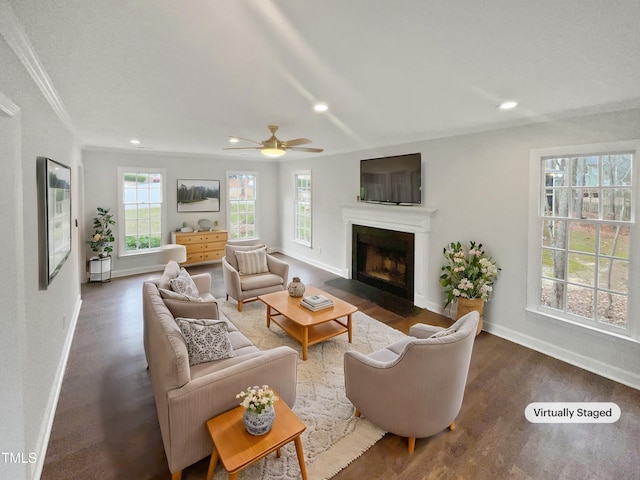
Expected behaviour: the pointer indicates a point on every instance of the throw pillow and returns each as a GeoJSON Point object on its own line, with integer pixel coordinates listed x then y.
{"type": "Point", "coordinates": [443, 333]}
{"type": "Point", "coordinates": [206, 340]}
{"type": "Point", "coordinates": [184, 284]}
{"type": "Point", "coordinates": [170, 294]}
{"type": "Point", "coordinates": [252, 261]}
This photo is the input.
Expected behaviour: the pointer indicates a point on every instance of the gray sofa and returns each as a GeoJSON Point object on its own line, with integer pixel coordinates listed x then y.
{"type": "Point", "coordinates": [187, 396]}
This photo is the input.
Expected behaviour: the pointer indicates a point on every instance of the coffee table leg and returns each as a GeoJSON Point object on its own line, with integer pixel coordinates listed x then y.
{"type": "Point", "coordinates": [349, 330]}
{"type": "Point", "coordinates": [268, 316]}
{"type": "Point", "coordinates": [305, 342]}
{"type": "Point", "coordinates": [212, 463]}
{"type": "Point", "coordinates": [303, 468]}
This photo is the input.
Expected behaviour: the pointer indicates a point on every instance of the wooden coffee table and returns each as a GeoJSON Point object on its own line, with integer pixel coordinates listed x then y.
{"type": "Point", "coordinates": [237, 448]}
{"type": "Point", "coordinates": [306, 326]}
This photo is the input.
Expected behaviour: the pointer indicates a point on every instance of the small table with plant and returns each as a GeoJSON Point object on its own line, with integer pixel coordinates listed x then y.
{"type": "Point", "coordinates": [238, 449]}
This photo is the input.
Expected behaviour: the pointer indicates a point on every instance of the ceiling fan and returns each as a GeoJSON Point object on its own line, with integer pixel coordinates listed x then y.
{"type": "Point", "coordinates": [274, 147]}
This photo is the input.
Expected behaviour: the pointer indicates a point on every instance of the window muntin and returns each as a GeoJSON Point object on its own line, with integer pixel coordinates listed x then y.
{"type": "Point", "coordinates": [241, 190]}
{"type": "Point", "coordinates": [302, 212]}
{"type": "Point", "coordinates": [586, 217]}
{"type": "Point", "coordinates": [141, 209]}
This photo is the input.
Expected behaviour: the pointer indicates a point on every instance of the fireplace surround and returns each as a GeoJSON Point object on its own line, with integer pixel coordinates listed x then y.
{"type": "Point", "coordinates": [413, 219]}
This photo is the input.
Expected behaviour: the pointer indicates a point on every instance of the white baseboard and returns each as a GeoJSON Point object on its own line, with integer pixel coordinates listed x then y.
{"type": "Point", "coordinates": [54, 395]}
{"type": "Point", "coordinates": [625, 377]}
{"type": "Point", "coordinates": [341, 272]}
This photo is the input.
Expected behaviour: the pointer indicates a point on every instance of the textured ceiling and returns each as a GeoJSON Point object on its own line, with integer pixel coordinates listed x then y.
{"type": "Point", "coordinates": [184, 75]}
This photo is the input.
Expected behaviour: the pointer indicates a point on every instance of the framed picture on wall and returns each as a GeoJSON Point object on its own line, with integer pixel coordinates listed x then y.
{"type": "Point", "coordinates": [54, 217]}
{"type": "Point", "coordinates": [198, 195]}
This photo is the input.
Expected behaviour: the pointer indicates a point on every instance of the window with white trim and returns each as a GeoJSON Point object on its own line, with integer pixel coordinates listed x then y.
{"type": "Point", "coordinates": [241, 193]}
{"type": "Point", "coordinates": [584, 237]}
{"type": "Point", "coordinates": [302, 212]}
{"type": "Point", "coordinates": [141, 193]}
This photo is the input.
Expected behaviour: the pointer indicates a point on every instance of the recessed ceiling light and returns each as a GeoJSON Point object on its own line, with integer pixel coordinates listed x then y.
{"type": "Point", "coordinates": [135, 141]}
{"type": "Point", "coordinates": [233, 140]}
{"type": "Point", "coordinates": [508, 105]}
{"type": "Point", "coordinates": [321, 107]}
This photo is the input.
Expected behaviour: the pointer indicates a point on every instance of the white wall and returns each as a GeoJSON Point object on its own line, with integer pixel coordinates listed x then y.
{"type": "Point", "coordinates": [479, 185]}
{"type": "Point", "coordinates": [101, 190]}
{"type": "Point", "coordinates": [37, 324]}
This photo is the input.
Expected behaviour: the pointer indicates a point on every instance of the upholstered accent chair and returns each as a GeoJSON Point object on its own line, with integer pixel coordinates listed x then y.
{"type": "Point", "coordinates": [249, 271]}
{"type": "Point", "coordinates": [414, 387]}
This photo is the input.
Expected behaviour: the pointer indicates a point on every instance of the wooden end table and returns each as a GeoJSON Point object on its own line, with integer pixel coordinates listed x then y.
{"type": "Point", "coordinates": [237, 448]}
{"type": "Point", "coordinates": [304, 325]}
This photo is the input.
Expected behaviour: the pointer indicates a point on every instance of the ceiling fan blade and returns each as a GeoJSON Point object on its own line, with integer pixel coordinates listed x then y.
{"type": "Point", "coordinates": [297, 141]}
{"type": "Point", "coordinates": [306, 149]}
{"type": "Point", "coordinates": [242, 148]}
{"type": "Point", "coordinates": [245, 139]}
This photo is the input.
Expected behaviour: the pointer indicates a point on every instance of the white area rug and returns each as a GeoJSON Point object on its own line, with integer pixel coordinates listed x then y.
{"type": "Point", "coordinates": [334, 436]}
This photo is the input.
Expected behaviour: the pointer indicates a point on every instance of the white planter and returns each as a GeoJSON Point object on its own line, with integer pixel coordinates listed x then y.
{"type": "Point", "coordinates": [99, 269]}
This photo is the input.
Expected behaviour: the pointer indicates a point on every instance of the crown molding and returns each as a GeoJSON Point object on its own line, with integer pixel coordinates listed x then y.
{"type": "Point", "coordinates": [7, 106]}
{"type": "Point", "coordinates": [17, 39]}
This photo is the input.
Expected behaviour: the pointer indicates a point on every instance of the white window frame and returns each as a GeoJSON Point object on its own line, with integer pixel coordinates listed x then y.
{"type": "Point", "coordinates": [122, 252]}
{"type": "Point", "coordinates": [296, 208]}
{"type": "Point", "coordinates": [230, 202]}
{"type": "Point", "coordinates": [534, 276]}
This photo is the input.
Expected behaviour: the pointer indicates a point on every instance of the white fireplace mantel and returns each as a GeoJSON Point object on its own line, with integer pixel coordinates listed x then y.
{"type": "Point", "coordinates": [412, 219]}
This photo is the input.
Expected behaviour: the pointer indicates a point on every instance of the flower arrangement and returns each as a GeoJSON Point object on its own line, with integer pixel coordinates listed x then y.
{"type": "Point", "coordinates": [102, 234]}
{"type": "Point", "coordinates": [469, 273]}
{"type": "Point", "coordinates": [256, 399]}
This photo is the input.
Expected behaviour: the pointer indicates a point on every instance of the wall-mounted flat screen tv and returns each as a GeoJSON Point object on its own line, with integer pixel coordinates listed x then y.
{"type": "Point", "coordinates": [396, 180]}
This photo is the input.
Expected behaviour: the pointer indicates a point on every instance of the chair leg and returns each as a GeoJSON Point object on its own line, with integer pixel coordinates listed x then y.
{"type": "Point", "coordinates": [412, 444]}
{"type": "Point", "coordinates": [452, 426]}
{"type": "Point", "coordinates": [177, 475]}
{"type": "Point", "coordinates": [239, 305]}
{"type": "Point", "coordinates": [357, 414]}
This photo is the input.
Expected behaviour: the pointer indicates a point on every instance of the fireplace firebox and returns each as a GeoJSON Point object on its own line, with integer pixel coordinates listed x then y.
{"type": "Point", "coordinates": [384, 259]}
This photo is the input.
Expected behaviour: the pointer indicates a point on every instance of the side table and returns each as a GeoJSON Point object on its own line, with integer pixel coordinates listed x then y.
{"type": "Point", "coordinates": [237, 449]}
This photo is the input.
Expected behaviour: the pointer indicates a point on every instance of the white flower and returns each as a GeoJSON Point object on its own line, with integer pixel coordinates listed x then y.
{"type": "Point", "coordinates": [97, 237]}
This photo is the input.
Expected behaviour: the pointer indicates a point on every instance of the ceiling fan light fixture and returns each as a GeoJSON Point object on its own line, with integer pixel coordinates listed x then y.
{"type": "Point", "coordinates": [273, 152]}
{"type": "Point", "coordinates": [321, 107]}
{"type": "Point", "coordinates": [508, 105]}
{"type": "Point", "coordinates": [233, 140]}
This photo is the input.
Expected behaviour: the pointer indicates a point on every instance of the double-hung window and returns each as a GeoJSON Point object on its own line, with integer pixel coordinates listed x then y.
{"type": "Point", "coordinates": [141, 193]}
{"type": "Point", "coordinates": [241, 192]}
{"type": "Point", "coordinates": [302, 212]}
{"type": "Point", "coordinates": [584, 236]}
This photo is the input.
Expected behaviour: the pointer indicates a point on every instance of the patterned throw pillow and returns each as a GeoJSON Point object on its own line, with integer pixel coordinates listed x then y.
{"type": "Point", "coordinates": [443, 333]}
{"type": "Point", "coordinates": [206, 340]}
{"type": "Point", "coordinates": [164, 293]}
{"type": "Point", "coordinates": [184, 284]}
{"type": "Point", "coordinates": [252, 261]}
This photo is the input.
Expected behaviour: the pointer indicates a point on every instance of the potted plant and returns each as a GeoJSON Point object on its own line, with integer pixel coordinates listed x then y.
{"type": "Point", "coordinates": [259, 414]}
{"type": "Point", "coordinates": [468, 277]}
{"type": "Point", "coordinates": [102, 233]}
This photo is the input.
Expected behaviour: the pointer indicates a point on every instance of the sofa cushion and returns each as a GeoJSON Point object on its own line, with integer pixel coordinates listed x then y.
{"type": "Point", "coordinates": [206, 340]}
{"type": "Point", "coordinates": [171, 271]}
{"type": "Point", "coordinates": [230, 252]}
{"type": "Point", "coordinates": [170, 294]}
{"type": "Point", "coordinates": [252, 261]}
{"type": "Point", "coordinates": [184, 284]}
{"type": "Point", "coordinates": [443, 333]}
{"type": "Point", "coordinates": [261, 280]}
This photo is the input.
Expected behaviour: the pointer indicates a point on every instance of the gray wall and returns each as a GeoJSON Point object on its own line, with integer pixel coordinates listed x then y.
{"type": "Point", "coordinates": [37, 325]}
{"type": "Point", "coordinates": [100, 175]}
{"type": "Point", "coordinates": [479, 184]}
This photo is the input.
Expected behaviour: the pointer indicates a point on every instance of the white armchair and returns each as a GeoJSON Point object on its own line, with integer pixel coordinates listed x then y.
{"type": "Point", "coordinates": [259, 275]}
{"type": "Point", "coordinates": [414, 387]}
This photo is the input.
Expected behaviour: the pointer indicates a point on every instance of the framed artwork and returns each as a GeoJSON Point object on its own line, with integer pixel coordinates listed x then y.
{"type": "Point", "coordinates": [198, 195]}
{"type": "Point", "coordinates": [54, 217]}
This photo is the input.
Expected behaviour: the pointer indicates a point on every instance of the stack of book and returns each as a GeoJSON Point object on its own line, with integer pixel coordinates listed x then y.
{"type": "Point", "coordinates": [316, 302]}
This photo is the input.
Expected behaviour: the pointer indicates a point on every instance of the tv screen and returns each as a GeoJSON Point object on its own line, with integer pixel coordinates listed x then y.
{"type": "Point", "coordinates": [392, 179]}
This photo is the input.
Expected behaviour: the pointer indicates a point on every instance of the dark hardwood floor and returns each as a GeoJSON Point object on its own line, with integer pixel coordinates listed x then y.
{"type": "Point", "coordinates": [106, 427]}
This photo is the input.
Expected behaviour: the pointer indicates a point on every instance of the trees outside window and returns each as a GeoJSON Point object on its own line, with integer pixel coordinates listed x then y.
{"type": "Point", "coordinates": [241, 192]}
{"type": "Point", "coordinates": [302, 212]}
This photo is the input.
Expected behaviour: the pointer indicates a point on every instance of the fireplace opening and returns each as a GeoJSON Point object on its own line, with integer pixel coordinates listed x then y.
{"type": "Point", "coordinates": [384, 259]}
